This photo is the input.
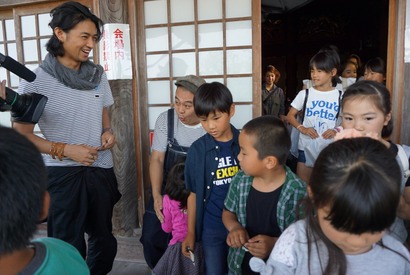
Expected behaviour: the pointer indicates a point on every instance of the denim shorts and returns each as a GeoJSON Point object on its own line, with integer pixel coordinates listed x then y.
{"type": "Point", "coordinates": [301, 156]}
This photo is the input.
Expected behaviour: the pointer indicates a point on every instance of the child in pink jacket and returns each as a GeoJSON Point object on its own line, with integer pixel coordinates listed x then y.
{"type": "Point", "coordinates": [176, 222]}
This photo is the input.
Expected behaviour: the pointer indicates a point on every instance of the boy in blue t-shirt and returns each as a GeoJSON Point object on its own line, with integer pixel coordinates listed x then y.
{"type": "Point", "coordinates": [263, 198]}
{"type": "Point", "coordinates": [23, 203]}
{"type": "Point", "coordinates": [210, 165]}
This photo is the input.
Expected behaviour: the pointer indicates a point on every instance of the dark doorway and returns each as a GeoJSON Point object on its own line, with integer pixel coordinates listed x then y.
{"type": "Point", "coordinates": [291, 37]}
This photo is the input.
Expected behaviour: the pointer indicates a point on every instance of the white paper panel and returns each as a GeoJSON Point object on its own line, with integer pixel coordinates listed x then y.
{"type": "Point", "coordinates": [239, 33]}
{"type": "Point", "coordinates": [243, 113]}
{"type": "Point", "coordinates": [158, 92]}
{"type": "Point", "coordinates": [30, 50]}
{"type": "Point", "coordinates": [10, 32]}
{"type": "Point", "coordinates": [209, 9]}
{"type": "Point", "coordinates": [241, 88]}
{"type": "Point", "coordinates": [43, 20]}
{"type": "Point", "coordinates": [28, 26]}
{"type": "Point", "coordinates": [183, 64]}
{"type": "Point", "coordinates": [210, 35]}
{"type": "Point", "coordinates": [183, 37]}
{"type": "Point", "coordinates": [157, 65]}
{"type": "Point", "coordinates": [238, 8]}
{"type": "Point", "coordinates": [210, 63]}
{"type": "Point", "coordinates": [156, 39]}
{"type": "Point", "coordinates": [239, 61]}
{"type": "Point", "coordinates": [182, 11]}
{"type": "Point", "coordinates": [155, 12]}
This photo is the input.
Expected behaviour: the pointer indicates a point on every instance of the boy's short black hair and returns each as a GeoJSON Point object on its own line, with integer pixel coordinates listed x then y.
{"type": "Point", "coordinates": [23, 182]}
{"type": "Point", "coordinates": [212, 97]}
{"type": "Point", "coordinates": [271, 137]}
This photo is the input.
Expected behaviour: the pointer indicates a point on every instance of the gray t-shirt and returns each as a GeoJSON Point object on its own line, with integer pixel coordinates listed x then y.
{"type": "Point", "coordinates": [290, 256]}
{"type": "Point", "coordinates": [184, 134]}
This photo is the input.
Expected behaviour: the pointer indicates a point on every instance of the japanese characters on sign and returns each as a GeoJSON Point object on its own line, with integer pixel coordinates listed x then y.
{"type": "Point", "coordinates": [115, 55]}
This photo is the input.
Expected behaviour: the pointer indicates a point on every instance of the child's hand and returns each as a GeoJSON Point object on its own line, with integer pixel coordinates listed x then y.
{"type": "Point", "coordinates": [261, 246]}
{"type": "Point", "coordinates": [189, 241]}
{"type": "Point", "coordinates": [353, 133]}
{"type": "Point", "coordinates": [311, 132]}
{"type": "Point", "coordinates": [237, 237]}
{"type": "Point", "coordinates": [329, 134]}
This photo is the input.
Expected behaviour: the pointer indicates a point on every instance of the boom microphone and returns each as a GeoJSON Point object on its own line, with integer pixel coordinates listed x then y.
{"type": "Point", "coordinates": [15, 67]}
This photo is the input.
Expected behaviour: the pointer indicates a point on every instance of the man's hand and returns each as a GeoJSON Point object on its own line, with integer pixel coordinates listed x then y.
{"type": "Point", "coordinates": [158, 207]}
{"type": "Point", "coordinates": [3, 90]}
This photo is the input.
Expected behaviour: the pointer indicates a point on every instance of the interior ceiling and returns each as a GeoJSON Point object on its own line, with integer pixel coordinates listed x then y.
{"type": "Point", "coordinates": [282, 6]}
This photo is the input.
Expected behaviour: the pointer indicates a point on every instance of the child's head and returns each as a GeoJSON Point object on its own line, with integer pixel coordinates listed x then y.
{"type": "Point", "coordinates": [357, 181]}
{"type": "Point", "coordinates": [375, 69]}
{"type": "Point", "coordinates": [212, 97]}
{"type": "Point", "coordinates": [23, 181]}
{"type": "Point", "coordinates": [355, 59]}
{"type": "Point", "coordinates": [261, 138]}
{"type": "Point", "coordinates": [272, 75]}
{"type": "Point", "coordinates": [326, 60]}
{"type": "Point", "coordinates": [349, 70]}
{"type": "Point", "coordinates": [354, 192]}
{"type": "Point", "coordinates": [366, 107]}
{"type": "Point", "coordinates": [175, 187]}
{"type": "Point", "coordinates": [214, 107]}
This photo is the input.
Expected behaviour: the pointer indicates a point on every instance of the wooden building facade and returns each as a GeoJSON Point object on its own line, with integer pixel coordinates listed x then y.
{"type": "Point", "coordinates": [220, 40]}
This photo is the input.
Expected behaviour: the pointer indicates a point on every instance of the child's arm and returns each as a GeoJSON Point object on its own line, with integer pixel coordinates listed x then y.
{"type": "Point", "coordinates": [237, 235]}
{"type": "Point", "coordinates": [261, 245]}
{"type": "Point", "coordinates": [291, 118]}
{"type": "Point", "coordinates": [189, 240]}
{"type": "Point", "coordinates": [167, 222]}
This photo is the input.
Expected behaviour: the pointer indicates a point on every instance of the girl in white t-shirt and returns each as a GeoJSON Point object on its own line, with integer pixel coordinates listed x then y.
{"type": "Point", "coordinates": [321, 107]}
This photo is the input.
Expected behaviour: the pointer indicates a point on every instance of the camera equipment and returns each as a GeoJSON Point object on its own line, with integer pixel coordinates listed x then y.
{"type": "Point", "coordinates": [26, 107]}
{"type": "Point", "coordinates": [18, 69]}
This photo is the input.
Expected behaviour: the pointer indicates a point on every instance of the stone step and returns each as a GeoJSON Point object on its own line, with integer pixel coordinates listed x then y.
{"type": "Point", "coordinates": [129, 249]}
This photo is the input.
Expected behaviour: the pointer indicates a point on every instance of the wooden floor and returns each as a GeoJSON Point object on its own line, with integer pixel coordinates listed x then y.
{"type": "Point", "coordinates": [129, 268]}
{"type": "Point", "coordinates": [129, 259]}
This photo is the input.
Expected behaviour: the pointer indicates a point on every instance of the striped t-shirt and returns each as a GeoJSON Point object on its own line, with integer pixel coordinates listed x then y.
{"type": "Point", "coordinates": [71, 116]}
{"type": "Point", "coordinates": [184, 134]}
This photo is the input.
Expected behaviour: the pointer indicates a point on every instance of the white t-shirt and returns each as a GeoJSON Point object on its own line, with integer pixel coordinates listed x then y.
{"type": "Point", "coordinates": [321, 112]}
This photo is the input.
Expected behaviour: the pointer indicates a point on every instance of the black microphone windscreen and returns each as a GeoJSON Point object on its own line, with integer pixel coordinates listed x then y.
{"type": "Point", "coordinates": [18, 69]}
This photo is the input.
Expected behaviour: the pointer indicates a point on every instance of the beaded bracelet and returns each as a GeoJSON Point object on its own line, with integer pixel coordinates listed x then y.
{"type": "Point", "coordinates": [57, 149]}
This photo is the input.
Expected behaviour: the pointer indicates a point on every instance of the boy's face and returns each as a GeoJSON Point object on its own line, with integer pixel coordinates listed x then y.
{"type": "Point", "coordinates": [218, 125]}
{"type": "Point", "coordinates": [248, 156]}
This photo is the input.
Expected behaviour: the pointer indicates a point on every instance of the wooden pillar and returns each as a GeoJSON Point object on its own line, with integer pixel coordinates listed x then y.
{"type": "Point", "coordinates": [125, 214]}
